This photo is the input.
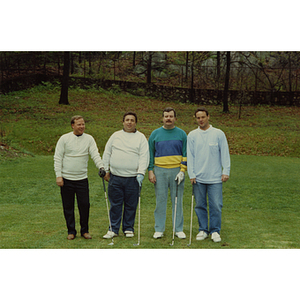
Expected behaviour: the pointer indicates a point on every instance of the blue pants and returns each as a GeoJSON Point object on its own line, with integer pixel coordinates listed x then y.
{"type": "Point", "coordinates": [165, 180]}
{"type": "Point", "coordinates": [123, 190]}
{"type": "Point", "coordinates": [215, 201]}
{"type": "Point", "coordinates": [68, 191]}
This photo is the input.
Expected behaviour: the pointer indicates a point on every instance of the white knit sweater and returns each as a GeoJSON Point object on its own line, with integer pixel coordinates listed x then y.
{"type": "Point", "coordinates": [72, 155]}
{"type": "Point", "coordinates": [126, 154]}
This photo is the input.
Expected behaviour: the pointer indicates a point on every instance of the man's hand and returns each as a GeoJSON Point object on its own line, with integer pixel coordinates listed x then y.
{"type": "Point", "coordinates": [179, 177]}
{"type": "Point", "coordinates": [59, 181]}
{"type": "Point", "coordinates": [101, 172]}
{"type": "Point", "coordinates": [193, 180]}
{"type": "Point", "coordinates": [224, 178]}
{"type": "Point", "coordinates": [151, 177]}
{"type": "Point", "coordinates": [107, 176]}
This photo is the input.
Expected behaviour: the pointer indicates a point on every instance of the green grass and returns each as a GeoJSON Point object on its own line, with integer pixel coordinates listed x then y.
{"type": "Point", "coordinates": [33, 121]}
{"type": "Point", "coordinates": [260, 210]}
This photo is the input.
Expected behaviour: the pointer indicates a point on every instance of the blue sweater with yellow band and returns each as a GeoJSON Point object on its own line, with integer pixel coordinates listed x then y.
{"type": "Point", "coordinates": [168, 148]}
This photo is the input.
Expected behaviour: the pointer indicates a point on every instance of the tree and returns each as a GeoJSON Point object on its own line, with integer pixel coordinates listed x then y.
{"type": "Point", "coordinates": [65, 80]}
{"type": "Point", "coordinates": [226, 87]}
{"type": "Point", "coordinates": [192, 78]}
{"type": "Point", "coordinates": [219, 96]}
{"type": "Point", "coordinates": [186, 66]}
{"type": "Point", "coordinates": [149, 67]}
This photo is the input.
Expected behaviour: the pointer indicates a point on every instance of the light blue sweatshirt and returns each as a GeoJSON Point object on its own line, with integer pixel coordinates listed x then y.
{"type": "Point", "coordinates": [207, 155]}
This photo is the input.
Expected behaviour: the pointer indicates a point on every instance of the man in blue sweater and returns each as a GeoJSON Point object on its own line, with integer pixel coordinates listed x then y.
{"type": "Point", "coordinates": [167, 147]}
{"type": "Point", "coordinates": [208, 163]}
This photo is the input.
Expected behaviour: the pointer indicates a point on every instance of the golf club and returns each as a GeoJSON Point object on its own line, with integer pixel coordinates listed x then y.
{"type": "Point", "coordinates": [139, 219]}
{"type": "Point", "coordinates": [112, 238]}
{"type": "Point", "coordinates": [191, 225]}
{"type": "Point", "coordinates": [174, 221]}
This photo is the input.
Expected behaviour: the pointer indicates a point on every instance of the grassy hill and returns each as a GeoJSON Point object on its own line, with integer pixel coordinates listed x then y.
{"type": "Point", "coordinates": [260, 200]}
{"type": "Point", "coordinates": [32, 121]}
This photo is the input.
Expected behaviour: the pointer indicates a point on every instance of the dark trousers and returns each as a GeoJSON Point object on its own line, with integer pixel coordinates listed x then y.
{"type": "Point", "coordinates": [123, 190]}
{"type": "Point", "coordinates": [68, 191]}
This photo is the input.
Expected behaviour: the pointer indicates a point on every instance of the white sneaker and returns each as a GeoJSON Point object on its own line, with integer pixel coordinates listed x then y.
{"type": "Point", "coordinates": [129, 234]}
{"type": "Point", "coordinates": [180, 235]}
{"type": "Point", "coordinates": [202, 235]}
{"type": "Point", "coordinates": [109, 235]}
{"type": "Point", "coordinates": [216, 237]}
{"type": "Point", "coordinates": [158, 235]}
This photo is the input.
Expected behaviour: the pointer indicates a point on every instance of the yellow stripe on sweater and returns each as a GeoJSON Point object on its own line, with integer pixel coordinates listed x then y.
{"type": "Point", "coordinates": [170, 162]}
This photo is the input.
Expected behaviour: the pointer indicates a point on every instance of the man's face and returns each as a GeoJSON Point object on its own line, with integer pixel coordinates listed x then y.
{"type": "Point", "coordinates": [129, 123]}
{"type": "Point", "coordinates": [202, 120]}
{"type": "Point", "coordinates": [78, 127]}
{"type": "Point", "coordinates": [169, 120]}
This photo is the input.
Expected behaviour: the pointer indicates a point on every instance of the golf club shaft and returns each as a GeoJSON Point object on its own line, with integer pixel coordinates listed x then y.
{"type": "Point", "coordinates": [110, 227]}
{"type": "Point", "coordinates": [191, 224]}
{"type": "Point", "coordinates": [139, 226]}
{"type": "Point", "coordinates": [174, 218]}
{"type": "Point", "coordinates": [139, 218]}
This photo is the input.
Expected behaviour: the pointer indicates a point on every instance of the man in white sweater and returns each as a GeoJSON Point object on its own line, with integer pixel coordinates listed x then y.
{"type": "Point", "coordinates": [208, 164]}
{"type": "Point", "coordinates": [126, 159]}
{"type": "Point", "coordinates": [71, 164]}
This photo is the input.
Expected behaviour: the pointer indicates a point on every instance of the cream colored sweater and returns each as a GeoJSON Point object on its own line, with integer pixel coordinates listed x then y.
{"type": "Point", "coordinates": [72, 155]}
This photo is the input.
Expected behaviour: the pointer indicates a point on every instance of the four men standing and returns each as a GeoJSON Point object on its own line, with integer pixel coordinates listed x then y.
{"type": "Point", "coordinates": [169, 153]}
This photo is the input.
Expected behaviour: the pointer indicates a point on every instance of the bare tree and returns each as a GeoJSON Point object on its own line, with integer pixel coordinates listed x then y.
{"type": "Point", "coordinates": [149, 67]}
{"type": "Point", "coordinates": [192, 78]}
{"type": "Point", "coordinates": [226, 87]}
{"type": "Point", "coordinates": [65, 80]}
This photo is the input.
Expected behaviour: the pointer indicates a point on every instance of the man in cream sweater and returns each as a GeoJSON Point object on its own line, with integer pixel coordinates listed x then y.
{"type": "Point", "coordinates": [71, 164]}
{"type": "Point", "coordinates": [126, 159]}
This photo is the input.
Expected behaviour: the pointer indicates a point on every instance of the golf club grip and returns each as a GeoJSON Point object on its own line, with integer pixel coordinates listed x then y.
{"type": "Point", "coordinates": [104, 184]}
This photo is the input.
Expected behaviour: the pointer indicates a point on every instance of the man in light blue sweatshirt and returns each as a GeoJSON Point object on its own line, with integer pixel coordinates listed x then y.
{"type": "Point", "coordinates": [208, 164]}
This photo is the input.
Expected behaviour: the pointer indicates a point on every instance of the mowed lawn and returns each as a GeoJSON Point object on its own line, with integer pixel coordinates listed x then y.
{"type": "Point", "coordinates": [261, 208]}
{"type": "Point", "coordinates": [261, 202]}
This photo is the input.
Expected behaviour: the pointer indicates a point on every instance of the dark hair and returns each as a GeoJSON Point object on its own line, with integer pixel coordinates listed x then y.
{"type": "Point", "coordinates": [168, 109]}
{"type": "Point", "coordinates": [201, 109]}
{"type": "Point", "coordinates": [131, 114]}
{"type": "Point", "coordinates": [77, 117]}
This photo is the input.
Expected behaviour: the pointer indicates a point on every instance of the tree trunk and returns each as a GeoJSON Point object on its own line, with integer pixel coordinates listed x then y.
{"type": "Point", "coordinates": [72, 63]}
{"type": "Point", "coordinates": [290, 80]}
{"type": "Point", "coordinates": [192, 79]}
{"type": "Point", "coordinates": [133, 62]}
{"type": "Point", "coordinates": [149, 63]}
{"type": "Point", "coordinates": [226, 88]}
{"type": "Point", "coordinates": [90, 63]}
{"type": "Point", "coordinates": [219, 95]}
{"type": "Point", "coordinates": [65, 81]}
{"type": "Point", "coordinates": [186, 66]}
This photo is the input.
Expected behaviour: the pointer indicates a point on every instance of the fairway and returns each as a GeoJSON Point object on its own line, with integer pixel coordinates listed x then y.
{"type": "Point", "coordinates": [261, 208]}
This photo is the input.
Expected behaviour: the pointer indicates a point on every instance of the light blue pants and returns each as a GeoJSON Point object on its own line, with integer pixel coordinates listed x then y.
{"type": "Point", "coordinates": [165, 180]}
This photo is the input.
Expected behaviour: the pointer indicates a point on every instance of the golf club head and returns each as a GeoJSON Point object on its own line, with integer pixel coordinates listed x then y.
{"type": "Point", "coordinates": [111, 244]}
{"type": "Point", "coordinates": [136, 244]}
